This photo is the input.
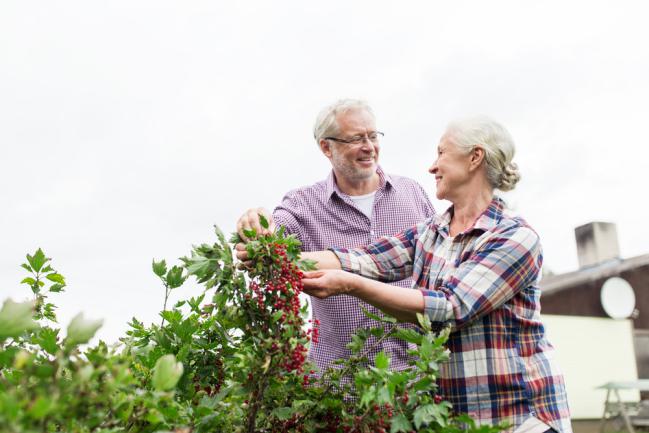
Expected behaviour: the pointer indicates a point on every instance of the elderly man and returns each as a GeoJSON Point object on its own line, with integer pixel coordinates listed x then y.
{"type": "Point", "coordinates": [354, 206]}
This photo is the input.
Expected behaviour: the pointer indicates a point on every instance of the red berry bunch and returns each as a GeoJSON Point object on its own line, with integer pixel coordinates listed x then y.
{"type": "Point", "coordinates": [274, 296]}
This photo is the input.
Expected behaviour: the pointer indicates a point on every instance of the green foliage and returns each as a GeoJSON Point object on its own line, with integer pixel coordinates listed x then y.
{"type": "Point", "coordinates": [229, 359]}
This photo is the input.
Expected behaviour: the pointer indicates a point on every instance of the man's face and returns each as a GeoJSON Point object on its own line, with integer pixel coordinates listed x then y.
{"type": "Point", "coordinates": [354, 162]}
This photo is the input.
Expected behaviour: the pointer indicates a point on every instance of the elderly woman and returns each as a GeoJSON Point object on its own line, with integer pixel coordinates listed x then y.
{"type": "Point", "coordinates": [475, 268]}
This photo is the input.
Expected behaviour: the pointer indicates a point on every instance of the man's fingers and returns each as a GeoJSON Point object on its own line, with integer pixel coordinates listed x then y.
{"type": "Point", "coordinates": [242, 226]}
{"type": "Point", "coordinates": [245, 265]}
{"type": "Point", "coordinates": [251, 220]}
{"type": "Point", "coordinates": [241, 252]}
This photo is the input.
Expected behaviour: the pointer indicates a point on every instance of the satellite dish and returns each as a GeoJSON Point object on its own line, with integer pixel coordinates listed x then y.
{"type": "Point", "coordinates": [618, 298]}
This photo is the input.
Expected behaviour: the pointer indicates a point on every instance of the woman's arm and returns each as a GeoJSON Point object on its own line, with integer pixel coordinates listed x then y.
{"type": "Point", "coordinates": [508, 262]}
{"type": "Point", "coordinates": [323, 259]}
{"type": "Point", "coordinates": [387, 259]}
{"type": "Point", "coordinates": [400, 302]}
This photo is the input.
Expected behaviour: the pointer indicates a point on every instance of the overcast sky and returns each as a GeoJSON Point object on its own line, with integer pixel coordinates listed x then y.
{"type": "Point", "coordinates": [129, 128]}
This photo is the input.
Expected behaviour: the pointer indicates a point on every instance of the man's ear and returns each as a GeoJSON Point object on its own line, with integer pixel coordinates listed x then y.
{"type": "Point", "coordinates": [477, 156]}
{"type": "Point", "coordinates": [325, 147]}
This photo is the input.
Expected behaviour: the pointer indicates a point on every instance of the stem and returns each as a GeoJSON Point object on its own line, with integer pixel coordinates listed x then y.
{"type": "Point", "coordinates": [257, 397]}
{"type": "Point", "coordinates": [164, 307]}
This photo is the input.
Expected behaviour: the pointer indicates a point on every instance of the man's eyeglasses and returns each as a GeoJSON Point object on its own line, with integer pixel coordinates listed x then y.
{"type": "Point", "coordinates": [372, 137]}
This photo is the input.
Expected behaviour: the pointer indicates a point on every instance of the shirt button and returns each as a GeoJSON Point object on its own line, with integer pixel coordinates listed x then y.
{"type": "Point", "coordinates": [372, 232]}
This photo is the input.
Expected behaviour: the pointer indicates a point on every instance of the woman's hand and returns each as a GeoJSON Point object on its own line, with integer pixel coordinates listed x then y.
{"type": "Point", "coordinates": [323, 284]}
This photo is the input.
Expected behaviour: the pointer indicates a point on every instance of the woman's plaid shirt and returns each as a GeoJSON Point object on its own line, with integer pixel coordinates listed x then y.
{"type": "Point", "coordinates": [483, 283]}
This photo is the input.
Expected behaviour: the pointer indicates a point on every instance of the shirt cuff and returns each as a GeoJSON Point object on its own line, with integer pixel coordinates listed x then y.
{"type": "Point", "coordinates": [348, 262]}
{"type": "Point", "coordinates": [436, 306]}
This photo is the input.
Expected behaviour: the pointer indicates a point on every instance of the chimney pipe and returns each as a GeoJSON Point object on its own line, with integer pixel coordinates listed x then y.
{"type": "Point", "coordinates": [596, 243]}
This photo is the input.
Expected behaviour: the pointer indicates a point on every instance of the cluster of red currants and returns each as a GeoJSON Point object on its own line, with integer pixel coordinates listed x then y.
{"type": "Point", "coordinates": [278, 290]}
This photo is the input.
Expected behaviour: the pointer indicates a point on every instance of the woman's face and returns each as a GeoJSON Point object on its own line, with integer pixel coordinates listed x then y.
{"type": "Point", "coordinates": [451, 169]}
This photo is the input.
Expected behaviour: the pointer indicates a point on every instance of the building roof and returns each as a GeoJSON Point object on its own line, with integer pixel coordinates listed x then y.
{"type": "Point", "coordinates": [610, 268]}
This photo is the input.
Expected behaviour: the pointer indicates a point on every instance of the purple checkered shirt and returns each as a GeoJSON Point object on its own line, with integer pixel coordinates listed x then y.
{"type": "Point", "coordinates": [483, 283]}
{"type": "Point", "coordinates": [322, 217]}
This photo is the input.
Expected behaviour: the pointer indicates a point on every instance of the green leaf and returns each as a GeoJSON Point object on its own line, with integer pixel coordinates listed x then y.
{"type": "Point", "coordinates": [175, 277]}
{"type": "Point", "coordinates": [400, 423]}
{"type": "Point", "coordinates": [56, 278]}
{"type": "Point", "coordinates": [250, 234]}
{"type": "Point", "coordinates": [384, 319]}
{"type": "Point", "coordinates": [263, 221]}
{"type": "Point", "coordinates": [426, 348]}
{"type": "Point", "coordinates": [307, 265]}
{"type": "Point", "coordinates": [47, 339]}
{"type": "Point", "coordinates": [45, 371]}
{"type": "Point", "coordinates": [199, 266]}
{"type": "Point", "coordinates": [81, 330]}
{"type": "Point", "coordinates": [381, 361]}
{"type": "Point", "coordinates": [426, 414]}
{"type": "Point", "coordinates": [409, 335]}
{"type": "Point", "coordinates": [368, 397]}
{"type": "Point", "coordinates": [41, 407]}
{"type": "Point", "coordinates": [16, 318]}
{"type": "Point", "coordinates": [277, 315]}
{"type": "Point", "coordinates": [235, 238]}
{"type": "Point", "coordinates": [37, 260]}
{"type": "Point", "coordinates": [424, 384]}
{"type": "Point", "coordinates": [283, 413]}
{"type": "Point", "coordinates": [357, 343]}
{"type": "Point", "coordinates": [28, 280]}
{"type": "Point", "coordinates": [159, 268]}
{"type": "Point", "coordinates": [424, 321]}
{"type": "Point", "coordinates": [166, 373]}
{"type": "Point", "coordinates": [27, 267]}
{"type": "Point", "coordinates": [56, 288]}
{"type": "Point", "coordinates": [383, 396]}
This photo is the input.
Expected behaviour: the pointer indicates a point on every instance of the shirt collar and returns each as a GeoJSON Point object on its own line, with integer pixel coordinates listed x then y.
{"type": "Point", "coordinates": [385, 181]}
{"type": "Point", "coordinates": [487, 220]}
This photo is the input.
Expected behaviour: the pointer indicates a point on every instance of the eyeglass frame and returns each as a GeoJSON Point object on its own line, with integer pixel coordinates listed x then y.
{"type": "Point", "coordinates": [360, 139]}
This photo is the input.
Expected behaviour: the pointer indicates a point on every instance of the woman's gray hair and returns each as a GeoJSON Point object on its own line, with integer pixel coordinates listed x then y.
{"type": "Point", "coordinates": [498, 146]}
{"type": "Point", "coordinates": [326, 124]}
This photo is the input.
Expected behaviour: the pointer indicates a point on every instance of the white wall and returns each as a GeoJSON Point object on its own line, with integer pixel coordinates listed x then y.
{"type": "Point", "coordinates": [592, 351]}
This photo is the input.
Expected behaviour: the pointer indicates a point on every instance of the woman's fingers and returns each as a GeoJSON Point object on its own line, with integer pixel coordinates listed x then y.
{"type": "Point", "coordinates": [313, 274]}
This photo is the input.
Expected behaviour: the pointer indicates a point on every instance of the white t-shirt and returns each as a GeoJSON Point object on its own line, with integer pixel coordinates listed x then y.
{"type": "Point", "coordinates": [364, 202]}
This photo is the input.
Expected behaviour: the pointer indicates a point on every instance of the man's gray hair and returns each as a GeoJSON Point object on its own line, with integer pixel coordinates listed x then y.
{"type": "Point", "coordinates": [326, 124]}
{"type": "Point", "coordinates": [497, 143]}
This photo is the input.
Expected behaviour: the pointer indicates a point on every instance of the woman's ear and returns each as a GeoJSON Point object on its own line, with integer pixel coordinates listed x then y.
{"type": "Point", "coordinates": [477, 156]}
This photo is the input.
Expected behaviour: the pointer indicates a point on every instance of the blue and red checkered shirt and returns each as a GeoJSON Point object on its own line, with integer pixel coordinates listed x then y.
{"type": "Point", "coordinates": [483, 283]}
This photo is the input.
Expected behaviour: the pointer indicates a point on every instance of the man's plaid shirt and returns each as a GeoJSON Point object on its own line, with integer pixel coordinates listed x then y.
{"type": "Point", "coordinates": [483, 283]}
{"type": "Point", "coordinates": [322, 216]}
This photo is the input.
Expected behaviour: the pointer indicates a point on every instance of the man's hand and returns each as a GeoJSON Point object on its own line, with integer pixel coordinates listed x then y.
{"type": "Point", "coordinates": [242, 255]}
{"type": "Point", "coordinates": [323, 284]}
{"type": "Point", "coordinates": [250, 220]}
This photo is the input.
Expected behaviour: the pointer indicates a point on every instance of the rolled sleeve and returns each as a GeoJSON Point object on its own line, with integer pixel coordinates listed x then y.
{"type": "Point", "coordinates": [436, 306]}
{"type": "Point", "coordinates": [359, 262]}
{"type": "Point", "coordinates": [348, 262]}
